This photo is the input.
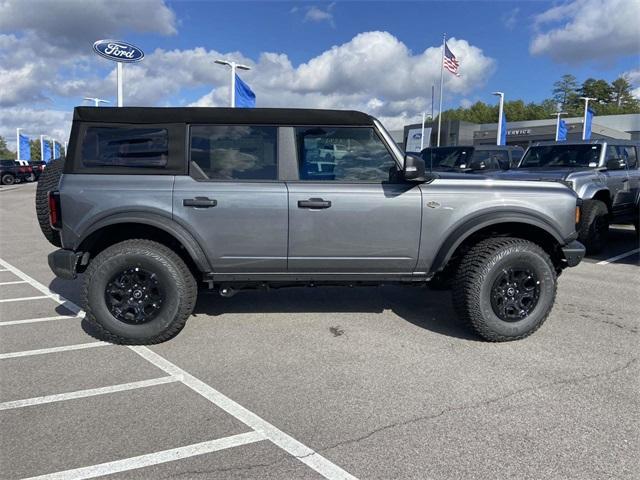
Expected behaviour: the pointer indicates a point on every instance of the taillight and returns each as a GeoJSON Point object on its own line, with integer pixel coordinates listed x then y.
{"type": "Point", "coordinates": [55, 213]}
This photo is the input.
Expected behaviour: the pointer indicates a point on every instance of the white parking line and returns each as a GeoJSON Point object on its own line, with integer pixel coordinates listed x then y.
{"type": "Point", "coordinates": [41, 319]}
{"type": "Point", "coordinates": [13, 283]}
{"type": "Point", "coordinates": [23, 299]}
{"type": "Point", "coordinates": [43, 351]}
{"type": "Point", "coordinates": [262, 428]}
{"type": "Point", "coordinates": [292, 446]}
{"type": "Point", "coordinates": [154, 458]}
{"type": "Point", "coordinates": [618, 257]}
{"type": "Point", "coordinates": [60, 397]}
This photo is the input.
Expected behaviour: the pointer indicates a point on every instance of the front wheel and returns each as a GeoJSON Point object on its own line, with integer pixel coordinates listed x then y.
{"type": "Point", "coordinates": [138, 292]}
{"type": "Point", "coordinates": [593, 229]}
{"type": "Point", "coordinates": [505, 288]}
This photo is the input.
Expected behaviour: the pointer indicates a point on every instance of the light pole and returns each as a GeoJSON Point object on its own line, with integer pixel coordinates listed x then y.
{"type": "Point", "coordinates": [558, 115]}
{"type": "Point", "coordinates": [500, 111]}
{"type": "Point", "coordinates": [234, 66]}
{"type": "Point", "coordinates": [97, 101]}
{"type": "Point", "coordinates": [584, 120]}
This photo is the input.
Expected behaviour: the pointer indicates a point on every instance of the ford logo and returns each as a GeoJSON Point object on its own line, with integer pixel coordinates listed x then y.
{"type": "Point", "coordinates": [416, 136]}
{"type": "Point", "coordinates": [118, 51]}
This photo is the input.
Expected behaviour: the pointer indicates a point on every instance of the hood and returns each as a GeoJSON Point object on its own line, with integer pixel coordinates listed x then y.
{"type": "Point", "coordinates": [544, 174]}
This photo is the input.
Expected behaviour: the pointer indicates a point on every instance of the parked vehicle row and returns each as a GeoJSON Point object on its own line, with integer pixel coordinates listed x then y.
{"type": "Point", "coordinates": [152, 203]}
{"type": "Point", "coordinates": [12, 171]}
{"type": "Point", "coordinates": [605, 174]}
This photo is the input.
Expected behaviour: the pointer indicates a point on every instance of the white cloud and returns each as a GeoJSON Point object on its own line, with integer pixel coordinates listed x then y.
{"type": "Point", "coordinates": [510, 18]}
{"type": "Point", "coordinates": [316, 14]}
{"type": "Point", "coordinates": [633, 77]}
{"type": "Point", "coordinates": [584, 30]}
{"type": "Point", "coordinates": [33, 123]}
{"type": "Point", "coordinates": [73, 25]}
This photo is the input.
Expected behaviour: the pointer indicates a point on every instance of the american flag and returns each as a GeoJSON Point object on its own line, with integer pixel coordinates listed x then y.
{"type": "Point", "coordinates": [450, 61]}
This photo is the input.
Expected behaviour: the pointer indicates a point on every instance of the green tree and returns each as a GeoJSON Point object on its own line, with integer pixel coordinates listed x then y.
{"type": "Point", "coordinates": [565, 91]}
{"type": "Point", "coordinates": [622, 97]}
{"type": "Point", "coordinates": [35, 150]}
{"type": "Point", "coordinates": [598, 89]}
{"type": "Point", "coordinates": [4, 150]}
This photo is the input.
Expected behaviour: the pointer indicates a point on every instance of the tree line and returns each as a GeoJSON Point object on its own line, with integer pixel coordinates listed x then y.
{"type": "Point", "coordinates": [36, 154]}
{"type": "Point", "coordinates": [612, 99]}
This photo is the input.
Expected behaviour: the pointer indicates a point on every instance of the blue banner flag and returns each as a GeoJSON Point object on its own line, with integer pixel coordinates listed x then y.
{"type": "Point", "coordinates": [245, 98]}
{"type": "Point", "coordinates": [24, 149]}
{"type": "Point", "coordinates": [503, 130]}
{"type": "Point", "coordinates": [46, 154]}
{"type": "Point", "coordinates": [587, 124]}
{"type": "Point", "coordinates": [562, 130]}
{"type": "Point", "coordinates": [56, 149]}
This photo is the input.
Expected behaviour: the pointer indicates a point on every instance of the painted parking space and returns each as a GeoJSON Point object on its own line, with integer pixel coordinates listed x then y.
{"type": "Point", "coordinates": [116, 410]}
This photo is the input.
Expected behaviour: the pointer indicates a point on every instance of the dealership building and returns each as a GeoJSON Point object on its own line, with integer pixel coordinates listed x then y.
{"type": "Point", "coordinates": [457, 132]}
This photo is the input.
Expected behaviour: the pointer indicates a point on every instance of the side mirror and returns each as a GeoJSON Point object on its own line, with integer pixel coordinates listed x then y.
{"type": "Point", "coordinates": [617, 163]}
{"type": "Point", "coordinates": [414, 169]}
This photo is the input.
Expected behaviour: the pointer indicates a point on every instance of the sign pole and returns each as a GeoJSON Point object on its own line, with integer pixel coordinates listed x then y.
{"type": "Point", "coordinates": [120, 78]}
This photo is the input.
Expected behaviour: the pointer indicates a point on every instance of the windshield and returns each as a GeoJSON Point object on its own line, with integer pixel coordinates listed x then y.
{"type": "Point", "coordinates": [561, 156]}
{"type": "Point", "coordinates": [447, 158]}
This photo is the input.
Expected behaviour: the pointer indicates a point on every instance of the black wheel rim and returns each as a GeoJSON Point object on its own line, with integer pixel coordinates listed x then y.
{"type": "Point", "coordinates": [134, 296]}
{"type": "Point", "coordinates": [515, 293]}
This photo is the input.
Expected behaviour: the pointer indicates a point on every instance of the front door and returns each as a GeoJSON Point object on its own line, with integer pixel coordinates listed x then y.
{"type": "Point", "coordinates": [232, 200]}
{"type": "Point", "coordinates": [350, 216]}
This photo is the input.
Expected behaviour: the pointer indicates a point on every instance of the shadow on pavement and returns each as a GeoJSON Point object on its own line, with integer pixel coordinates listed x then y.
{"type": "Point", "coordinates": [621, 240]}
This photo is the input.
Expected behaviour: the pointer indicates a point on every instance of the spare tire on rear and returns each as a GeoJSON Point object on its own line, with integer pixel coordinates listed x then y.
{"type": "Point", "coordinates": [48, 181]}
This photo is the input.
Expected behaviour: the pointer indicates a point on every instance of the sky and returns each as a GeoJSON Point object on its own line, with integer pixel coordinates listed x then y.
{"type": "Point", "coordinates": [379, 57]}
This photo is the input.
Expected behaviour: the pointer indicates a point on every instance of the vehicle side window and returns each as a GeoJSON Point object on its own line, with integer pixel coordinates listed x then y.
{"type": "Point", "coordinates": [125, 147]}
{"type": "Point", "coordinates": [233, 152]}
{"type": "Point", "coordinates": [343, 154]}
{"type": "Point", "coordinates": [630, 154]}
{"type": "Point", "coordinates": [493, 159]}
{"type": "Point", "coordinates": [612, 153]}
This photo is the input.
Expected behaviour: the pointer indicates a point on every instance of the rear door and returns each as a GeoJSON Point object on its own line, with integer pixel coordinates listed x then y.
{"type": "Point", "coordinates": [618, 183]}
{"type": "Point", "coordinates": [232, 200]}
{"type": "Point", "coordinates": [353, 216]}
{"type": "Point", "coordinates": [630, 154]}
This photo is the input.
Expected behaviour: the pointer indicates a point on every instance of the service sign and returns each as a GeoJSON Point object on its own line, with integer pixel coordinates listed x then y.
{"type": "Point", "coordinates": [118, 51]}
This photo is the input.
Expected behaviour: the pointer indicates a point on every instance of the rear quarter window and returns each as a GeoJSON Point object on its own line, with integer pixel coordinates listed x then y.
{"type": "Point", "coordinates": [125, 147]}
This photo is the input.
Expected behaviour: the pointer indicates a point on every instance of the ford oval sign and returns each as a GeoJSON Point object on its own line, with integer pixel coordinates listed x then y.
{"type": "Point", "coordinates": [118, 51]}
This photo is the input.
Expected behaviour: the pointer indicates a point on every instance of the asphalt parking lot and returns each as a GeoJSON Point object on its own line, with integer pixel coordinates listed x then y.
{"type": "Point", "coordinates": [369, 383]}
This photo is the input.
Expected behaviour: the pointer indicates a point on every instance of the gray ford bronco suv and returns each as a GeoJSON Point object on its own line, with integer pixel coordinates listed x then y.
{"type": "Point", "coordinates": [154, 203]}
{"type": "Point", "coordinates": [605, 174]}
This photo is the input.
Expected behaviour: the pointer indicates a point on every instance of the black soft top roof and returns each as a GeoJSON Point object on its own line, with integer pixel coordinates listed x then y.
{"type": "Point", "coordinates": [265, 116]}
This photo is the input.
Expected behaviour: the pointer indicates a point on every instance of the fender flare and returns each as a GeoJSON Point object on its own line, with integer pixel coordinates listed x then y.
{"type": "Point", "coordinates": [470, 226]}
{"type": "Point", "coordinates": [158, 221]}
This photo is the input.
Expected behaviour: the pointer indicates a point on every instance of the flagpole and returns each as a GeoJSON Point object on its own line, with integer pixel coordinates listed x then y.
{"type": "Point", "coordinates": [42, 148]}
{"type": "Point", "coordinates": [233, 84]}
{"type": "Point", "coordinates": [584, 120]}
{"type": "Point", "coordinates": [422, 134]}
{"type": "Point", "coordinates": [444, 40]}
{"type": "Point", "coordinates": [18, 143]}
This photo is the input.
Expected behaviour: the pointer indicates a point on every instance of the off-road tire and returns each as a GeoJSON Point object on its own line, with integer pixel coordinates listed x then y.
{"type": "Point", "coordinates": [175, 278]}
{"type": "Point", "coordinates": [8, 179]}
{"type": "Point", "coordinates": [478, 271]}
{"type": "Point", "coordinates": [49, 180]}
{"type": "Point", "coordinates": [593, 229]}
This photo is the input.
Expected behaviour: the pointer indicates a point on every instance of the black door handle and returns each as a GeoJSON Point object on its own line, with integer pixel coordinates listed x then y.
{"type": "Point", "coordinates": [199, 202]}
{"type": "Point", "coordinates": [314, 203]}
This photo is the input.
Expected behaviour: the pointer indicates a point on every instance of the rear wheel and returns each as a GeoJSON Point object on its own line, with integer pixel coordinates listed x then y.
{"type": "Point", "coordinates": [505, 288]}
{"type": "Point", "coordinates": [48, 181]}
{"type": "Point", "coordinates": [593, 230]}
{"type": "Point", "coordinates": [8, 179]}
{"type": "Point", "coordinates": [138, 292]}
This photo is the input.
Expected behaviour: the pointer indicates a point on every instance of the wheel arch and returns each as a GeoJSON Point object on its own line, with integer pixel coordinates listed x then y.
{"type": "Point", "coordinates": [520, 225]}
{"type": "Point", "coordinates": [125, 226]}
{"type": "Point", "coordinates": [598, 193]}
